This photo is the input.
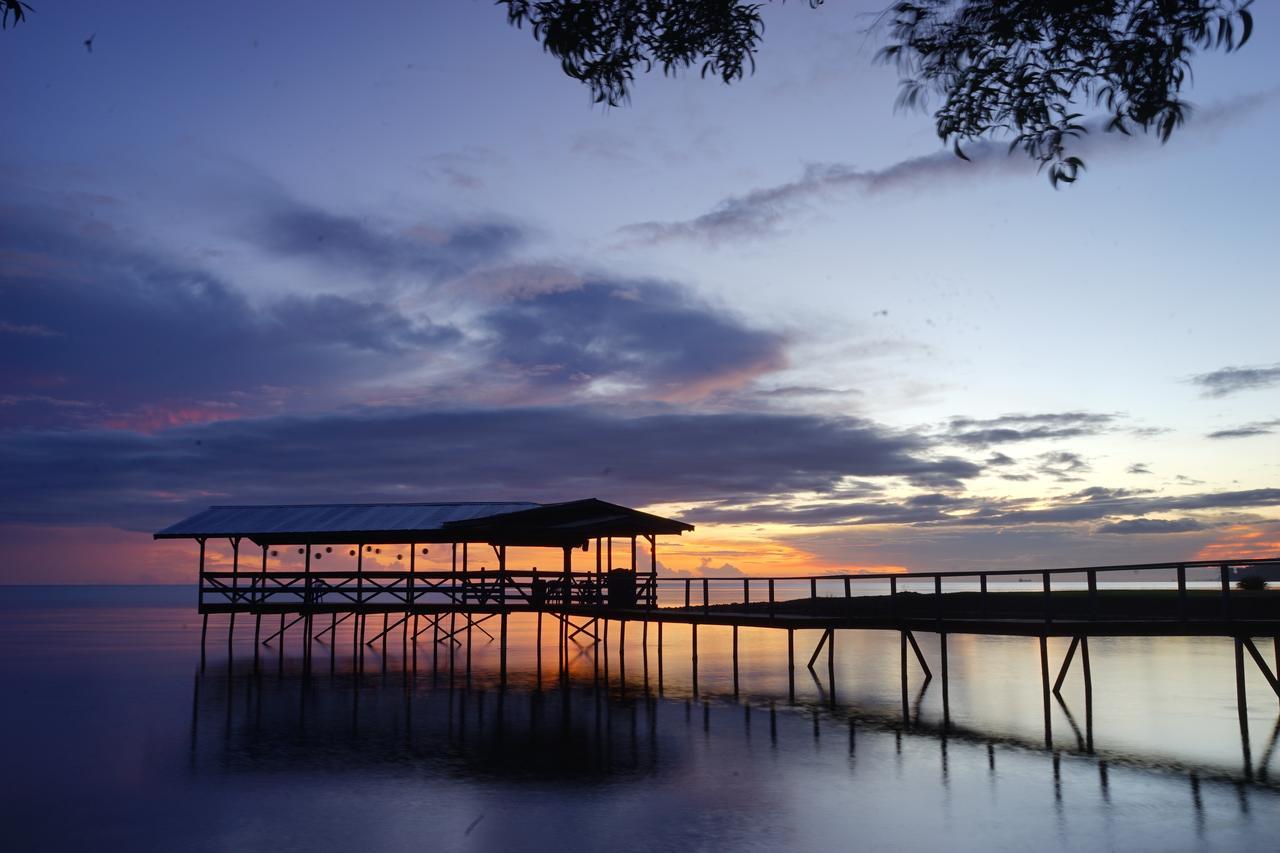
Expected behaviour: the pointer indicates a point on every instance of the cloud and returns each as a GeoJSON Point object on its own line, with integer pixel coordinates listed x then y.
{"type": "Point", "coordinates": [376, 248]}
{"type": "Point", "coordinates": [765, 211]}
{"type": "Point", "coordinates": [1247, 431]}
{"type": "Point", "coordinates": [1063, 465]}
{"type": "Point", "coordinates": [1138, 468]}
{"type": "Point", "coordinates": [648, 337]}
{"type": "Point", "coordinates": [140, 480]}
{"type": "Point", "coordinates": [146, 341]}
{"type": "Point", "coordinates": [137, 331]}
{"type": "Point", "coordinates": [1152, 525]}
{"type": "Point", "coordinates": [1231, 380]}
{"type": "Point", "coordinates": [1021, 427]}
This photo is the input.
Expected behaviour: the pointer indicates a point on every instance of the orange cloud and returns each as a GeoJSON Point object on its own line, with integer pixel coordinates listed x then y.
{"type": "Point", "coordinates": [1243, 541]}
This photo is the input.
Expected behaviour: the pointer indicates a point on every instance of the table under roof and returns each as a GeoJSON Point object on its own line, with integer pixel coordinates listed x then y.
{"type": "Point", "coordinates": [517, 523]}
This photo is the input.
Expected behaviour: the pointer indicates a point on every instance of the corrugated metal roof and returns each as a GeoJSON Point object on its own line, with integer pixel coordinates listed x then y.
{"type": "Point", "coordinates": [514, 523]}
{"type": "Point", "coordinates": [324, 519]}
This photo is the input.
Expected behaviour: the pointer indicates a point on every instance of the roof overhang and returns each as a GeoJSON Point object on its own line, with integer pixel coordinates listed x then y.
{"type": "Point", "coordinates": [561, 525]}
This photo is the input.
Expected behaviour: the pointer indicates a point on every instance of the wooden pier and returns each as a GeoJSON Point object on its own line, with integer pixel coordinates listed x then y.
{"type": "Point", "coordinates": [449, 606]}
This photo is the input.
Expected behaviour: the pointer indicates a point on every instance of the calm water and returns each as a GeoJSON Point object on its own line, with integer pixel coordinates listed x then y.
{"type": "Point", "coordinates": [115, 740]}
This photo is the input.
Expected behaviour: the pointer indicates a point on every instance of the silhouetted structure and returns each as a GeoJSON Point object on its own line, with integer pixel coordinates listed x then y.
{"type": "Point", "coordinates": [1194, 598]}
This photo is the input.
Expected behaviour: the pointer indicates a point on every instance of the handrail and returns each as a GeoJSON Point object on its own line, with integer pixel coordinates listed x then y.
{"type": "Point", "coordinates": [973, 573]}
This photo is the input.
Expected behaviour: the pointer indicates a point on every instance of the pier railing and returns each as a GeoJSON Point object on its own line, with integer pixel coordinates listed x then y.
{"type": "Point", "coordinates": [1185, 591]}
{"type": "Point", "coordinates": [480, 589]}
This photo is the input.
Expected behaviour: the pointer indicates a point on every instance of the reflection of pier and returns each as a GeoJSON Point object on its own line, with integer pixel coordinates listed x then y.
{"type": "Point", "coordinates": [450, 604]}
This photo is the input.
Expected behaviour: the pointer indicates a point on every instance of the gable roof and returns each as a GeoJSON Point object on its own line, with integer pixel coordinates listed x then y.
{"type": "Point", "coordinates": [511, 522]}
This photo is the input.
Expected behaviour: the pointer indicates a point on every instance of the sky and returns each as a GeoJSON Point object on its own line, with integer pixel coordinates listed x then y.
{"type": "Point", "coordinates": [299, 253]}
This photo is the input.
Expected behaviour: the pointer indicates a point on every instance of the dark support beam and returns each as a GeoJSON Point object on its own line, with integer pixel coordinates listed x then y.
{"type": "Point", "coordinates": [735, 660]}
{"type": "Point", "coordinates": [818, 649]}
{"type": "Point", "coordinates": [333, 626]}
{"type": "Point", "coordinates": [1045, 691]}
{"type": "Point", "coordinates": [257, 617]}
{"type": "Point", "coordinates": [502, 651]}
{"type": "Point", "coordinates": [1262, 665]}
{"type": "Point", "coordinates": [831, 665]}
{"type": "Point", "coordinates": [235, 595]}
{"type": "Point", "coordinates": [906, 708]}
{"type": "Point", "coordinates": [660, 624]}
{"type": "Point", "coordinates": [1242, 706]}
{"type": "Point", "coordinates": [1088, 692]}
{"type": "Point", "coordinates": [946, 680]}
{"type": "Point", "coordinates": [1066, 665]}
{"type": "Point", "coordinates": [924, 664]}
{"type": "Point", "coordinates": [282, 629]}
{"type": "Point", "coordinates": [386, 629]}
{"type": "Point", "coordinates": [204, 629]}
{"type": "Point", "coordinates": [694, 668]}
{"type": "Point", "coordinates": [791, 664]}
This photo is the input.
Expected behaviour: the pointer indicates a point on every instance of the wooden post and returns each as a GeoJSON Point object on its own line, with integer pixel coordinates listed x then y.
{"type": "Point", "coordinates": [1044, 689]}
{"type": "Point", "coordinates": [1241, 703]}
{"type": "Point", "coordinates": [946, 683]}
{"type": "Point", "coordinates": [1048, 602]}
{"type": "Point", "coordinates": [605, 648]}
{"type": "Point", "coordinates": [235, 595]}
{"type": "Point", "coordinates": [466, 602]}
{"type": "Point", "coordinates": [791, 664]}
{"type": "Point", "coordinates": [735, 661]}
{"type": "Point", "coordinates": [660, 624]}
{"type": "Point", "coordinates": [771, 608]}
{"type": "Point", "coordinates": [1226, 590]}
{"type": "Point", "coordinates": [653, 572]}
{"type": "Point", "coordinates": [204, 623]}
{"type": "Point", "coordinates": [306, 603]}
{"type": "Point", "coordinates": [706, 595]}
{"type": "Point", "coordinates": [1093, 595]}
{"type": "Point", "coordinates": [257, 616]}
{"type": "Point", "coordinates": [906, 708]}
{"type": "Point", "coordinates": [1088, 692]}
{"type": "Point", "coordinates": [644, 652]}
{"type": "Point", "coordinates": [204, 629]}
{"type": "Point", "coordinates": [1182, 593]}
{"type": "Point", "coordinates": [409, 596]}
{"type": "Point", "coordinates": [694, 626]}
{"type": "Point", "coordinates": [357, 631]}
{"type": "Point", "coordinates": [502, 646]}
{"type": "Point", "coordinates": [831, 665]}
{"type": "Point", "coordinates": [622, 654]}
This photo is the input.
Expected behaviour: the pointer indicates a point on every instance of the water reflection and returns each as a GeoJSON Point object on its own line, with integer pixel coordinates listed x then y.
{"type": "Point", "coordinates": [568, 707]}
{"type": "Point", "coordinates": [116, 742]}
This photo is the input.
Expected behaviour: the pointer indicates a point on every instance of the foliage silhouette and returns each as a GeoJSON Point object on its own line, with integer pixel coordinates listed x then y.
{"type": "Point", "coordinates": [1025, 68]}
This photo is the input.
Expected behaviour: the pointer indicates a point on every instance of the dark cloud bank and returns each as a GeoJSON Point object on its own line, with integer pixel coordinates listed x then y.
{"type": "Point", "coordinates": [139, 481]}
